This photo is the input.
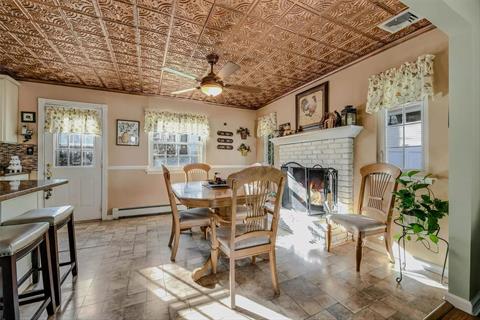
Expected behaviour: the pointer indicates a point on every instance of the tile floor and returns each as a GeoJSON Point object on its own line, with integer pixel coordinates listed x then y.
{"type": "Point", "coordinates": [125, 273]}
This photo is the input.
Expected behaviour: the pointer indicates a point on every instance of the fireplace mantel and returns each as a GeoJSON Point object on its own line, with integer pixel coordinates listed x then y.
{"type": "Point", "coordinates": [318, 135]}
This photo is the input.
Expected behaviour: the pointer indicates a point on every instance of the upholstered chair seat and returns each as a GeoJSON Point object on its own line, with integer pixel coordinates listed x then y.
{"type": "Point", "coordinates": [15, 238]}
{"type": "Point", "coordinates": [53, 215]}
{"type": "Point", "coordinates": [355, 223]}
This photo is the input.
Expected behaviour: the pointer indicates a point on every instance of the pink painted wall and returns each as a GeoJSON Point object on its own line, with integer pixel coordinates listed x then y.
{"type": "Point", "coordinates": [133, 187]}
{"type": "Point", "coordinates": [349, 87]}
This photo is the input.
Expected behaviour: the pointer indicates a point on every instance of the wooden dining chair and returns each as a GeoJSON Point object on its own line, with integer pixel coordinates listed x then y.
{"type": "Point", "coordinates": [201, 169]}
{"type": "Point", "coordinates": [183, 220]}
{"type": "Point", "coordinates": [375, 208]}
{"type": "Point", "coordinates": [258, 190]}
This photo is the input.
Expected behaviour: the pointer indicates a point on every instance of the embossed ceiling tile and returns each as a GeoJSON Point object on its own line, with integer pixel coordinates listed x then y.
{"type": "Point", "coordinates": [126, 59]}
{"type": "Point", "coordinates": [152, 53]}
{"type": "Point", "coordinates": [150, 89]}
{"type": "Point", "coordinates": [57, 33]}
{"type": "Point", "coordinates": [45, 53]}
{"type": "Point", "coordinates": [107, 73]}
{"type": "Point", "coordinates": [116, 11]}
{"type": "Point", "coordinates": [371, 17]}
{"type": "Point", "coordinates": [163, 6]}
{"type": "Point", "coordinates": [298, 43]}
{"type": "Point", "coordinates": [338, 36]}
{"type": "Point", "coordinates": [319, 28]}
{"type": "Point", "coordinates": [177, 59]}
{"type": "Point", "coordinates": [112, 83]}
{"type": "Point", "coordinates": [368, 49]}
{"type": "Point", "coordinates": [181, 46]}
{"type": "Point", "coordinates": [84, 23]}
{"type": "Point", "coordinates": [238, 5]}
{"type": "Point", "coordinates": [320, 5]}
{"type": "Point", "coordinates": [276, 37]}
{"type": "Point", "coordinates": [7, 7]}
{"type": "Point", "coordinates": [120, 31]}
{"type": "Point", "coordinates": [202, 51]}
{"type": "Point", "coordinates": [135, 86]}
{"type": "Point", "coordinates": [90, 81]}
{"type": "Point", "coordinates": [43, 13]}
{"type": "Point", "coordinates": [100, 54]}
{"type": "Point", "coordinates": [152, 39]}
{"type": "Point", "coordinates": [335, 57]}
{"type": "Point", "coordinates": [91, 40]}
{"type": "Point", "coordinates": [124, 47]}
{"type": "Point", "coordinates": [35, 42]}
{"type": "Point", "coordinates": [68, 77]}
{"type": "Point", "coordinates": [72, 59]}
{"type": "Point", "coordinates": [394, 6]}
{"type": "Point", "coordinates": [186, 30]}
{"type": "Point", "coordinates": [347, 9]}
{"type": "Point", "coordinates": [150, 63]}
{"type": "Point", "coordinates": [271, 10]}
{"type": "Point", "coordinates": [317, 51]}
{"type": "Point", "coordinates": [154, 21]}
{"type": "Point", "coordinates": [82, 6]}
{"type": "Point", "coordinates": [223, 19]}
{"type": "Point", "coordinates": [102, 64]}
{"type": "Point", "coordinates": [16, 24]}
{"type": "Point", "coordinates": [193, 10]}
{"type": "Point", "coordinates": [297, 18]}
{"type": "Point", "coordinates": [212, 37]}
{"type": "Point", "coordinates": [358, 43]}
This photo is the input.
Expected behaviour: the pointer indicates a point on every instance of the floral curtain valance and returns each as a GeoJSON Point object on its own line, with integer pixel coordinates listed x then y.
{"type": "Point", "coordinates": [267, 124]}
{"type": "Point", "coordinates": [60, 119]}
{"type": "Point", "coordinates": [182, 123]}
{"type": "Point", "coordinates": [412, 81]}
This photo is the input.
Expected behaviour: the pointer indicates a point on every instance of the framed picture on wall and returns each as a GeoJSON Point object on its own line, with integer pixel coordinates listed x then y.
{"type": "Point", "coordinates": [28, 117]}
{"type": "Point", "coordinates": [310, 106]}
{"type": "Point", "coordinates": [128, 132]}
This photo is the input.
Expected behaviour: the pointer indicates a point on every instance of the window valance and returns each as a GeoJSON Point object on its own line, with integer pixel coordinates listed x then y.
{"type": "Point", "coordinates": [182, 123]}
{"type": "Point", "coordinates": [412, 81]}
{"type": "Point", "coordinates": [60, 119]}
{"type": "Point", "coordinates": [267, 124]}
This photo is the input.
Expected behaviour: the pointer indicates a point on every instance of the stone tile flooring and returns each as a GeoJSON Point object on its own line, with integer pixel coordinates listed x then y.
{"type": "Point", "coordinates": [125, 273]}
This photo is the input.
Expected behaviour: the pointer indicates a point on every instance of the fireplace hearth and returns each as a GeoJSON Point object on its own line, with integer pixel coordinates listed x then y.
{"type": "Point", "coordinates": [312, 190]}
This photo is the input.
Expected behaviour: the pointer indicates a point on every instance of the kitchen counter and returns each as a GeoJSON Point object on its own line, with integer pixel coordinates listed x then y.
{"type": "Point", "coordinates": [9, 189]}
{"type": "Point", "coordinates": [6, 174]}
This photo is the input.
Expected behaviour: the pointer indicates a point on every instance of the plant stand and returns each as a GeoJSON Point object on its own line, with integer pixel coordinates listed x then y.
{"type": "Point", "coordinates": [402, 265]}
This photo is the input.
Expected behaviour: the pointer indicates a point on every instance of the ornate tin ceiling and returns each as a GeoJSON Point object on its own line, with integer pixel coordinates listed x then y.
{"type": "Point", "coordinates": [122, 45]}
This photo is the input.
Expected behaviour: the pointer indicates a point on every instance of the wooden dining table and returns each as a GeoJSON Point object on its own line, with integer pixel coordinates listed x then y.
{"type": "Point", "coordinates": [196, 194]}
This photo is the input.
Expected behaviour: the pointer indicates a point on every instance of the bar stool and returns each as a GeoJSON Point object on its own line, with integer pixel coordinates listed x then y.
{"type": "Point", "coordinates": [57, 217]}
{"type": "Point", "coordinates": [15, 243]}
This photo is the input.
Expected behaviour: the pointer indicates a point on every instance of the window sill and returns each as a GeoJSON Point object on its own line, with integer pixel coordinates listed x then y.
{"type": "Point", "coordinates": [174, 170]}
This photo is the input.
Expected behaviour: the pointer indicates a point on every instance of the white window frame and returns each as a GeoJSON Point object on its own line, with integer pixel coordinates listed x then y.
{"type": "Point", "coordinates": [151, 168]}
{"type": "Point", "coordinates": [383, 124]}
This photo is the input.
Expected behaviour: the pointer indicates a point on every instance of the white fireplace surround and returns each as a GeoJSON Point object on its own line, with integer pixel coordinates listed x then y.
{"type": "Point", "coordinates": [328, 148]}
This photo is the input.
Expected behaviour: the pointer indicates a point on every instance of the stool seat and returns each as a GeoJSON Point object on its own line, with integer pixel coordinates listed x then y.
{"type": "Point", "coordinates": [17, 237]}
{"type": "Point", "coordinates": [52, 215]}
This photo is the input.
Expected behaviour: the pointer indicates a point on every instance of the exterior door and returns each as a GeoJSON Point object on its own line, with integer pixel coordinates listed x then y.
{"type": "Point", "coordinates": [78, 158]}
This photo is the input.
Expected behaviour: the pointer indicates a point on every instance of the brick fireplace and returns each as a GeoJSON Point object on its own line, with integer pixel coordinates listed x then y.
{"type": "Point", "coordinates": [330, 148]}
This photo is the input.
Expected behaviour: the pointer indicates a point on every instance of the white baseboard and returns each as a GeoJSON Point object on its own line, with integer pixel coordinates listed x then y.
{"type": "Point", "coordinates": [142, 211]}
{"type": "Point", "coordinates": [469, 306]}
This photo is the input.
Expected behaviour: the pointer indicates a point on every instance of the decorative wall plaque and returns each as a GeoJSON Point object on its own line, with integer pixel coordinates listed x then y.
{"type": "Point", "coordinates": [224, 140]}
{"type": "Point", "coordinates": [224, 147]}
{"type": "Point", "coordinates": [225, 133]}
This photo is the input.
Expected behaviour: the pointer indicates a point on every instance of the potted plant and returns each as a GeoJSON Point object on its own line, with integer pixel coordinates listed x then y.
{"type": "Point", "coordinates": [420, 211]}
{"type": "Point", "coordinates": [244, 149]}
{"type": "Point", "coordinates": [243, 132]}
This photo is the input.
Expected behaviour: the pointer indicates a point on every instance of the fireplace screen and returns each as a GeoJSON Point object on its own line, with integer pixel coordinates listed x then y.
{"type": "Point", "coordinates": [311, 190]}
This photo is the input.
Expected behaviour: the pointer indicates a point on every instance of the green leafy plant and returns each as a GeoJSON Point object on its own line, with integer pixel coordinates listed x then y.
{"type": "Point", "coordinates": [419, 209]}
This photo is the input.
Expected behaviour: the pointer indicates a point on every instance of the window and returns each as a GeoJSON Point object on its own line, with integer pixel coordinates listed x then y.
{"type": "Point", "coordinates": [268, 150]}
{"type": "Point", "coordinates": [404, 136]}
{"type": "Point", "coordinates": [174, 150]}
{"type": "Point", "coordinates": [74, 150]}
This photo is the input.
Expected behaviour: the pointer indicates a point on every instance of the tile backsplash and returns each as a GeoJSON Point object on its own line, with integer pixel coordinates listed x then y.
{"type": "Point", "coordinates": [29, 162]}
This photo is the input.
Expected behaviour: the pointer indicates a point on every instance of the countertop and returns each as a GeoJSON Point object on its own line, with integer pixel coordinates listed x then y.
{"type": "Point", "coordinates": [6, 174]}
{"type": "Point", "coordinates": [8, 189]}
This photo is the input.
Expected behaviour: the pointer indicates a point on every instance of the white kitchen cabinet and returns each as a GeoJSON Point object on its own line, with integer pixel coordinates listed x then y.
{"type": "Point", "coordinates": [8, 109]}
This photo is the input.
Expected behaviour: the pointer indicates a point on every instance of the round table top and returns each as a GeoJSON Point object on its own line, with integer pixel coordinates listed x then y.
{"type": "Point", "coordinates": [197, 194]}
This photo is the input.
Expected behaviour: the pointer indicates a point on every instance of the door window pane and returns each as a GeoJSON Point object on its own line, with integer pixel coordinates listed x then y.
{"type": "Point", "coordinates": [74, 150]}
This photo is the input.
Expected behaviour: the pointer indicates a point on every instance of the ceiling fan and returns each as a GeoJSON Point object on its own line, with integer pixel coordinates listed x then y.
{"type": "Point", "coordinates": [213, 83]}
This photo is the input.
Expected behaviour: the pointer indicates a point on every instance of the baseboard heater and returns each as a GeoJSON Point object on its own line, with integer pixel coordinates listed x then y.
{"type": "Point", "coordinates": [142, 211]}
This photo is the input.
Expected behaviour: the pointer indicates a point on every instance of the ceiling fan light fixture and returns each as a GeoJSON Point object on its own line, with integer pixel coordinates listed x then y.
{"type": "Point", "coordinates": [211, 89]}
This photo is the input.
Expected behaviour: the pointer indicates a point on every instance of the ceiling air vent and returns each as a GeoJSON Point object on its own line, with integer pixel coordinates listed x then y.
{"type": "Point", "coordinates": [400, 21]}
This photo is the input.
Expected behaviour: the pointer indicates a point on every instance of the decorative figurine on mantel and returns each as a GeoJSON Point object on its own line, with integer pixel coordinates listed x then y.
{"type": "Point", "coordinates": [14, 165]}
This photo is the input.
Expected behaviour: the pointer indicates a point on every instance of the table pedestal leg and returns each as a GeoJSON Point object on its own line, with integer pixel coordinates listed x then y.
{"type": "Point", "coordinates": [202, 271]}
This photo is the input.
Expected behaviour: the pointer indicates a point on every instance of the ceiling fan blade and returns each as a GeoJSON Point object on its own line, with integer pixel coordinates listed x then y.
{"type": "Point", "coordinates": [243, 88]}
{"type": "Point", "coordinates": [179, 73]}
{"type": "Point", "coordinates": [184, 90]}
{"type": "Point", "coordinates": [228, 69]}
